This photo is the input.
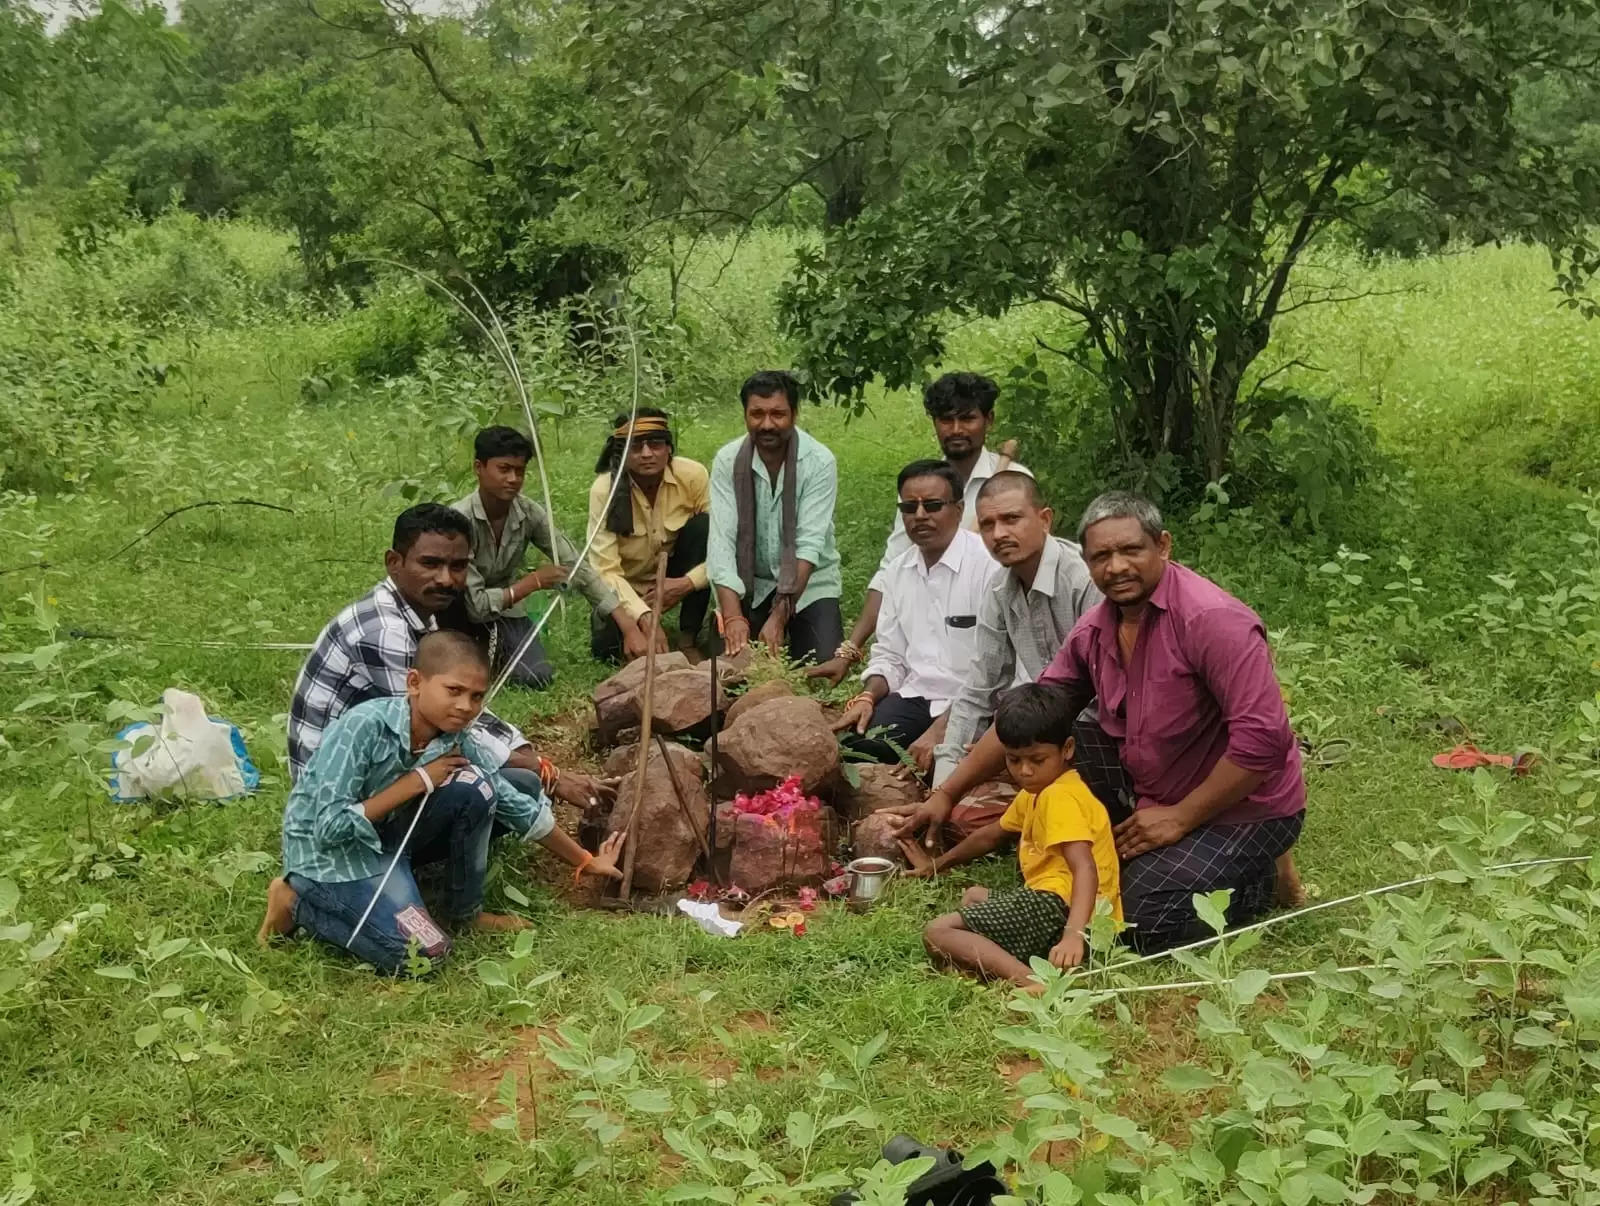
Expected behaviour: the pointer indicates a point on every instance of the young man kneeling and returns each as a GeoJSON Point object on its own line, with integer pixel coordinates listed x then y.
{"type": "Point", "coordinates": [348, 812]}
{"type": "Point", "coordinates": [1065, 849]}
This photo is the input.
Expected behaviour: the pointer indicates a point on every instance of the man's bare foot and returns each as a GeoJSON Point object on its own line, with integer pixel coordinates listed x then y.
{"type": "Point", "coordinates": [1291, 894]}
{"type": "Point", "coordinates": [501, 923]}
{"type": "Point", "coordinates": [279, 921]}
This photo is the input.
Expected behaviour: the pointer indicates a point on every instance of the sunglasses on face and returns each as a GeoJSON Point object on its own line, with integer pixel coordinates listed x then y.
{"type": "Point", "coordinates": [931, 505]}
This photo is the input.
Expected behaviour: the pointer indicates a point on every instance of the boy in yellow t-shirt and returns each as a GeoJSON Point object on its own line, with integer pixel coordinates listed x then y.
{"type": "Point", "coordinates": [1065, 848]}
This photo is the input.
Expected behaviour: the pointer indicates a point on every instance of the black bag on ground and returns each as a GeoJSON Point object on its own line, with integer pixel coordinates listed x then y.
{"type": "Point", "coordinates": [945, 1184]}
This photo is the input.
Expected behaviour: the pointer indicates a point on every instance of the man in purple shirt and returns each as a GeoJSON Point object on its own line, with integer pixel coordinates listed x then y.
{"type": "Point", "coordinates": [1186, 687]}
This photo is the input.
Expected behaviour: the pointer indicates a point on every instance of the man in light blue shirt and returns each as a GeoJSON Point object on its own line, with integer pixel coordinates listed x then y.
{"type": "Point", "coordinates": [771, 553]}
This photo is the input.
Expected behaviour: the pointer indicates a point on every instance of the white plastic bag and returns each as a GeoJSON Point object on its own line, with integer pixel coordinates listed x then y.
{"type": "Point", "coordinates": [188, 755]}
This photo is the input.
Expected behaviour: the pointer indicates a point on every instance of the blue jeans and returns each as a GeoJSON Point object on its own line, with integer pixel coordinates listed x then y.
{"type": "Point", "coordinates": [453, 830]}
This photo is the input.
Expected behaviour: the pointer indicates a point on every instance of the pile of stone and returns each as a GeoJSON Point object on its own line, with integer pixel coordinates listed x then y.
{"type": "Point", "coordinates": [765, 736]}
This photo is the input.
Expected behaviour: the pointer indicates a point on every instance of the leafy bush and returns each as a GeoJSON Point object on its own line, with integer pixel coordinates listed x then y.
{"type": "Point", "coordinates": [70, 386]}
{"type": "Point", "coordinates": [1305, 456]}
{"type": "Point", "coordinates": [387, 333]}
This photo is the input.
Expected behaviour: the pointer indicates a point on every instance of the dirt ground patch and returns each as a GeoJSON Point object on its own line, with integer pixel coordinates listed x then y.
{"type": "Point", "coordinates": [476, 1083]}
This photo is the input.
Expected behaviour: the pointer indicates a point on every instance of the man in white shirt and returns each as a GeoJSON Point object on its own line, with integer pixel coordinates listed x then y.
{"type": "Point", "coordinates": [928, 627]}
{"type": "Point", "coordinates": [961, 406]}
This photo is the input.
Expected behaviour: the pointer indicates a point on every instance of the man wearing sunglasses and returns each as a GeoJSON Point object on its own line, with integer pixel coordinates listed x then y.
{"type": "Point", "coordinates": [927, 629]}
{"type": "Point", "coordinates": [1025, 619]}
{"type": "Point", "coordinates": [961, 406]}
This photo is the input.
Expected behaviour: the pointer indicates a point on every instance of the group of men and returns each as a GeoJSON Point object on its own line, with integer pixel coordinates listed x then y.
{"type": "Point", "coordinates": [1180, 729]}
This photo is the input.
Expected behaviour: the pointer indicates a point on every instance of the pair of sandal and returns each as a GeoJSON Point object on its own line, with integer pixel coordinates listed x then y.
{"type": "Point", "coordinates": [1467, 756]}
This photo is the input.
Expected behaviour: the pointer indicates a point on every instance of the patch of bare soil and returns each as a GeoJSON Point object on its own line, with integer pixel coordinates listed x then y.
{"type": "Point", "coordinates": [565, 739]}
{"type": "Point", "coordinates": [476, 1083]}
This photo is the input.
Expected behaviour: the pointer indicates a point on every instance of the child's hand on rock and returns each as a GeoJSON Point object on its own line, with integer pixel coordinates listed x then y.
{"type": "Point", "coordinates": [605, 862]}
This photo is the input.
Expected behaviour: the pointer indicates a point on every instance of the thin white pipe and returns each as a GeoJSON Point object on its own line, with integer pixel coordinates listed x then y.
{"type": "Point", "coordinates": [393, 863]}
{"type": "Point", "coordinates": [1276, 977]}
{"type": "Point", "coordinates": [616, 481]}
{"type": "Point", "coordinates": [1326, 904]}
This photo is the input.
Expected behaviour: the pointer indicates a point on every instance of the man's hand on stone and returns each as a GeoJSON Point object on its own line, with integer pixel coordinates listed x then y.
{"type": "Point", "coordinates": [735, 635]}
{"type": "Point", "coordinates": [1149, 829]}
{"type": "Point", "coordinates": [857, 715]}
{"type": "Point", "coordinates": [929, 816]}
{"type": "Point", "coordinates": [635, 642]}
{"type": "Point", "coordinates": [585, 791]}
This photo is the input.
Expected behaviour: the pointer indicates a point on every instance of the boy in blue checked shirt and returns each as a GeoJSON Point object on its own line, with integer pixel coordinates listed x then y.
{"type": "Point", "coordinates": [348, 812]}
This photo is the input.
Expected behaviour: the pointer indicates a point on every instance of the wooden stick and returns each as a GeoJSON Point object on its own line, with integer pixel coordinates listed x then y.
{"type": "Point", "coordinates": [645, 723]}
{"type": "Point", "coordinates": [683, 805]}
{"type": "Point", "coordinates": [1008, 452]}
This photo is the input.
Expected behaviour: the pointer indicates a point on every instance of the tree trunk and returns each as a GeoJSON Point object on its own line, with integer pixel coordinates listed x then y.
{"type": "Point", "coordinates": [16, 231]}
{"type": "Point", "coordinates": [847, 194]}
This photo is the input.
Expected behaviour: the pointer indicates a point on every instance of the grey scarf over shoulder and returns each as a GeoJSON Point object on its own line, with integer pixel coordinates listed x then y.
{"type": "Point", "coordinates": [744, 492]}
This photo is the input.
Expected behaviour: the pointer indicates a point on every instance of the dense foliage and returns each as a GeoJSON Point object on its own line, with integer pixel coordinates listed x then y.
{"type": "Point", "coordinates": [659, 197]}
{"type": "Point", "coordinates": [1156, 172]}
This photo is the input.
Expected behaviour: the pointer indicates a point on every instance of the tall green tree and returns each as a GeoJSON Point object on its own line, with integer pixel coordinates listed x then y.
{"type": "Point", "coordinates": [1159, 170]}
{"type": "Point", "coordinates": [718, 111]}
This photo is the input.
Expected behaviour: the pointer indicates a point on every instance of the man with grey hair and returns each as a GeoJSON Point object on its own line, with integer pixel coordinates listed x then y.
{"type": "Point", "coordinates": [1186, 687]}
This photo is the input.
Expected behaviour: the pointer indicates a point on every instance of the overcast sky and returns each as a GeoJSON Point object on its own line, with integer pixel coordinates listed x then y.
{"type": "Point", "coordinates": [58, 10]}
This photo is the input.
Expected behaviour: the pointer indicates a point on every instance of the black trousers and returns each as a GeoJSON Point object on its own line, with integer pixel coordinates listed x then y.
{"type": "Point", "coordinates": [814, 631]}
{"type": "Point", "coordinates": [1098, 760]}
{"type": "Point", "coordinates": [688, 551]}
{"type": "Point", "coordinates": [903, 719]}
{"type": "Point", "coordinates": [500, 638]}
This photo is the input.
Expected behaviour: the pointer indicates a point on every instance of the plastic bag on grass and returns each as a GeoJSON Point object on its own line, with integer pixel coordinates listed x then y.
{"type": "Point", "coordinates": [187, 755]}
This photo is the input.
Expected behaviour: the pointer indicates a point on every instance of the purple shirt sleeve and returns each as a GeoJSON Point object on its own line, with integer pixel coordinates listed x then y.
{"type": "Point", "coordinates": [1230, 651]}
{"type": "Point", "coordinates": [1069, 670]}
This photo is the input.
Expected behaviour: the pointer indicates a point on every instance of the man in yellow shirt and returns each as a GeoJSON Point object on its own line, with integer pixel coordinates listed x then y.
{"type": "Point", "coordinates": [662, 503]}
{"type": "Point", "coordinates": [1065, 848]}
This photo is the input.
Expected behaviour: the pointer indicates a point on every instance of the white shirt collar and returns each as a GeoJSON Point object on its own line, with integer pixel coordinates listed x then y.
{"type": "Point", "coordinates": [951, 558]}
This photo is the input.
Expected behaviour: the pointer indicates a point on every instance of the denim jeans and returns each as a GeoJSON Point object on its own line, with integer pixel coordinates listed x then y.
{"type": "Point", "coordinates": [454, 831]}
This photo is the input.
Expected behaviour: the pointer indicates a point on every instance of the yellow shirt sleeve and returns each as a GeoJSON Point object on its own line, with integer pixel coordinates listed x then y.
{"type": "Point", "coordinates": [1063, 813]}
{"type": "Point", "coordinates": [1015, 819]}
{"type": "Point", "coordinates": [605, 555]}
{"type": "Point", "coordinates": [696, 485]}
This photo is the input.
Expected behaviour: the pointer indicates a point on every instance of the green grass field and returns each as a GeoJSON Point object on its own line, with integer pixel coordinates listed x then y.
{"type": "Point", "coordinates": [1463, 589]}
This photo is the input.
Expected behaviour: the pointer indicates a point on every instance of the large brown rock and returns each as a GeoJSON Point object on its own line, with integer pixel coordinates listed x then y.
{"type": "Point", "coordinates": [873, 837]}
{"type": "Point", "coordinates": [616, 701]}
{"type": "Point", "coordinates": [681, 699]}
{"type": "Point", "coordinates": [879, 787]}
{"type": "Point", "coordinates": [775, 852]}
{"type": "Point", "coordinates": [631, 676]}
{"type": "Point", "coordinates": [774, 740]}
{"type": "Point", "coordinates": [756, 696]}
{"type": "Point", "coordinates": [664, 842]}
{"type": "Point", "coordinates": [621, 760]}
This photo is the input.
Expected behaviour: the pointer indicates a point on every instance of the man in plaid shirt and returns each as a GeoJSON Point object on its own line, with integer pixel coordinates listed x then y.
{"type": "Point", "coordinates": [366, 649]}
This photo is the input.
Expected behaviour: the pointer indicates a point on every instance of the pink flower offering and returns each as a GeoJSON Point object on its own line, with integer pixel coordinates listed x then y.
{"type": "Point", "coordinates": [783, 801]}
{"type": "Point", "coordinates": [808, 899]}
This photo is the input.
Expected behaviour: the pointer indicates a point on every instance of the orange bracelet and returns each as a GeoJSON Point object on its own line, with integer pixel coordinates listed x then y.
{"type": "Point", "coordinates": [577, 874]}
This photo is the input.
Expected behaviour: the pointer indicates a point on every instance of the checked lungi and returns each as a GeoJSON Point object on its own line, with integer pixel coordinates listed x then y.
{"type": "Point", "coordinates": [1158, 887]}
